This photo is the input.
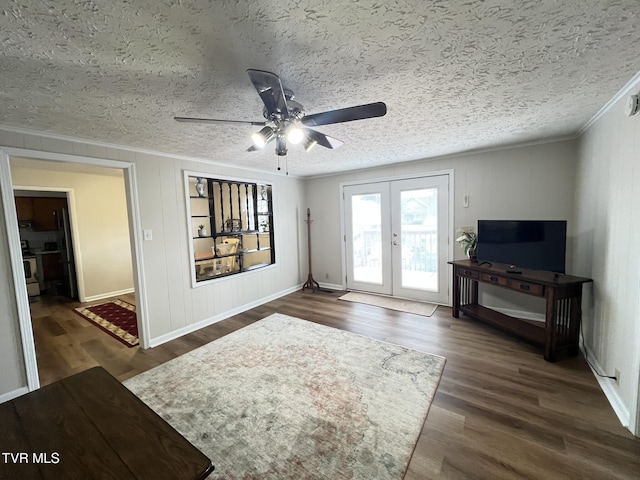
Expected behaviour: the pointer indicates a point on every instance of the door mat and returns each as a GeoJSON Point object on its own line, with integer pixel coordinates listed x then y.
{"type": "Point", "coordinates": [117, 318]}
{"type": "Point", "coordinates": [393, 303]}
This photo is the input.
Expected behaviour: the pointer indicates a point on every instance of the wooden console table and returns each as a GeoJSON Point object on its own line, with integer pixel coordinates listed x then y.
{"type": "Point", "coordinates": [89, 426]}
{"type": "Point", "coordinates": [557, 335]}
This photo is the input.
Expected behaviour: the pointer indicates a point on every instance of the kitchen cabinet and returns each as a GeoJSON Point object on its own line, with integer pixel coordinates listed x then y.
{"type": "Point", "coordinates": [24, 208]}
{"type": "Point", "coordinates": [45, 213]}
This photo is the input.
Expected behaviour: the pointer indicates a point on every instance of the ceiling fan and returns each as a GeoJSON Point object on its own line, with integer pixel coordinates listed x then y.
{"type": "Point", "coordinates": [286, 119]}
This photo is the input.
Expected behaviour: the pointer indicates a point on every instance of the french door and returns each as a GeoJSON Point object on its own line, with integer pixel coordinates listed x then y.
{"type": "Point", "coordinates": [396, 235]}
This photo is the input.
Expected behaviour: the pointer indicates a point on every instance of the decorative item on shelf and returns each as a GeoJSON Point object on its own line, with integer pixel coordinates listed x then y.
{"type": "Point", "coordinates": [200, 187]}
{"type": "Point", "coordinates": [233, 224]}
{"type": "Point", "coordinates": [264, 226]}
{"type": "Point", "coordinates": [468, 241]}
{"type": "Point", "coordinates": [202, 231]}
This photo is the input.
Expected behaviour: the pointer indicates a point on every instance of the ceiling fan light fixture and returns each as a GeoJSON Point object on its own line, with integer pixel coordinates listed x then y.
{"type": "Point", "coordinates": [288, 119]}
{"type": "Point", "coordinates": [294, 134]}
{"type": "Point", "coordinates": [309, 144]}
{"type": "Point", "coordinates": [281, 146]}
{"type": "Point", "coordinates": [264, 136]}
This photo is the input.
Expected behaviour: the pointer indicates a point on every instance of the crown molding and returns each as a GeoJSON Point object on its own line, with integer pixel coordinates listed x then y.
{"type": "Point", "coordinates": [95, 143]}
{"type": "Point", "coordinates": [630, 87]}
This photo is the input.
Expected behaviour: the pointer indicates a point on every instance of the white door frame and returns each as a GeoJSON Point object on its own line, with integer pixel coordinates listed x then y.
{"type": "Point", "coordinates": [11, 226]}
{"type": "Point", "coordinates": [449, 173]}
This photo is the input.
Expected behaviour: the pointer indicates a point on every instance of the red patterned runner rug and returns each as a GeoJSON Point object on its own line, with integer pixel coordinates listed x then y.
{"type": "Point", "coordinates": [117, 318]}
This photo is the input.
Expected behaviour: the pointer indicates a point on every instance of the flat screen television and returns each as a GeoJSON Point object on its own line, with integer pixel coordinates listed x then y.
{"type": "Point", "coordinates": [532, 244]}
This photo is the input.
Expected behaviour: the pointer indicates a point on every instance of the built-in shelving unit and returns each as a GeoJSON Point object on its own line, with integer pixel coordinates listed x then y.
{"type": "Point", "coordinates": [231, 226]}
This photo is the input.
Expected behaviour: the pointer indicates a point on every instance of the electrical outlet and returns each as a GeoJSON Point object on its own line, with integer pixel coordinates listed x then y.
{"type": "Point", "coordinates": [617, 377]}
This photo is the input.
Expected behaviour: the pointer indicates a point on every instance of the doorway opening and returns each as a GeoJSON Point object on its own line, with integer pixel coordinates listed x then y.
{"type": "Point", "coordinates": [87, 244]}
{"type": "Point", "coordinates": [59, 207]}
{"type": "Point", "coordinates": [46, 241]}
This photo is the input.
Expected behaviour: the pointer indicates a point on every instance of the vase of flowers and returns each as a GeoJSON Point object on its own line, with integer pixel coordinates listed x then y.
{"type": "Point", "coordinates": [202, 231]}
{"type": "Point", "coordinates": [468, 241]}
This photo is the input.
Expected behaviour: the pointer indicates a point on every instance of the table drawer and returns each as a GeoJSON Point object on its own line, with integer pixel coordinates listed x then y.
{"type": "Point", "coordinates": [495, 279]}
{"type": "Point", "coordinates": [466, 272]}
{"type": "Point", "coordinates": [526, 287]}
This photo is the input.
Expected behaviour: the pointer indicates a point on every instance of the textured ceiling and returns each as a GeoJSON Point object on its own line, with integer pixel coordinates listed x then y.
{"type": "Point", "coordinates": [455, 75]}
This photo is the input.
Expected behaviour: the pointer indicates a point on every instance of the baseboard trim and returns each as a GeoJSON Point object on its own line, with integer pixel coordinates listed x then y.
{"type": "Point", "coordinates": [330, 286]}
{"type": "Point", "coordinates": [102, 296]}
{"type": "Point", "coordinates": [608, 388]}
{"type": "Point", "coordinates": [154, 342]}
{"type": "Point", "coordinates": [5, 397]}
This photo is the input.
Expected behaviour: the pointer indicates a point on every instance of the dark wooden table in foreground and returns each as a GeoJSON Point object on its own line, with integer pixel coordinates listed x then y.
{"type": "Point", "coordinates": [90, 426]}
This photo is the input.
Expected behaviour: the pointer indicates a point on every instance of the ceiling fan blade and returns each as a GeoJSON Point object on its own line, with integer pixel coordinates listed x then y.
{"type": "Point", "coordinates": [322, 139]}
{"type": "Point", "coordinates": [349, 114]}
{"type": "Point", "coordinates": [213, 120]}
{"type": "Point", "coordinates": [270, 90]}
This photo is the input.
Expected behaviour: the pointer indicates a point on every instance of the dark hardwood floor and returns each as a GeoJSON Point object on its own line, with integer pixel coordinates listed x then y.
{"type": "Point", "coordinates": [500, 412]}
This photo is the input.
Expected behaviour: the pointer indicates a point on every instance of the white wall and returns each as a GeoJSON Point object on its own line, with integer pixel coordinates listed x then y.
{"type": "Point", "coordinates": [527, 183]}
{"type": "Point", "coordinates": [174, 307]}
{"type": "Point", "coordinates": [608, 189]}
{"type": "Point", "coordinates": [99, 215]}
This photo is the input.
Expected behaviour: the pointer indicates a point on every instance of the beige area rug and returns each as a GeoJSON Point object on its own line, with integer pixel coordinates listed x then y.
{"type": "Point", "coordinates": [285, 398]}
{"type": "Point", "coordinates": [409, 306]}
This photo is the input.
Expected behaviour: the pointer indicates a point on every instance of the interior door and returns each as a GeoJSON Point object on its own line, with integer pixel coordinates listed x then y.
{"type": "Point", "coordinates": [396, 238]}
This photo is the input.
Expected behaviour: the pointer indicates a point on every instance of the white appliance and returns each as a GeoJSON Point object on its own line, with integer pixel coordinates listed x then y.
{"type": "Point", "coordinates": [30, 264]}
{"type": "Point", "coordinates": [31, 276]}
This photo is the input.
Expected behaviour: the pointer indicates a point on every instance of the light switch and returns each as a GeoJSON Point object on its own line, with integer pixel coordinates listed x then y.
{"type": "Point", "coordinates": [465, 201]}
{"type": "Point", "coordinates": [148, 235]}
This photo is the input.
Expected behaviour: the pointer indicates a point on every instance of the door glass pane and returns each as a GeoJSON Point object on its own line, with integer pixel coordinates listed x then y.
{"type": "Point", "coordinates": [366, 221]}
{"type": "Point", "coordinates": [419, 238]}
